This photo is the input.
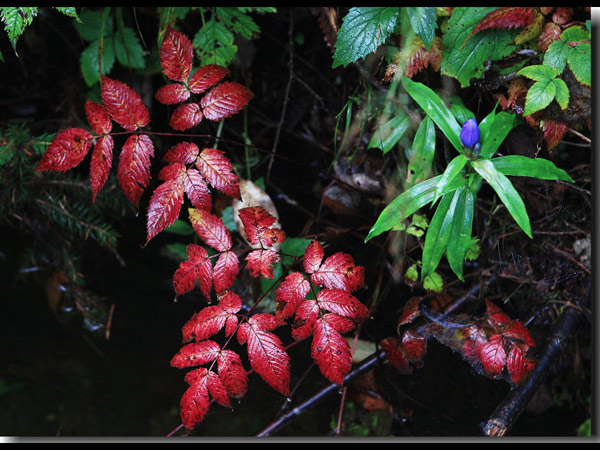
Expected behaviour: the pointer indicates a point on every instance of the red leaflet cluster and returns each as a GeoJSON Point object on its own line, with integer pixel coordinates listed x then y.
{"type": "Point", "coordinates": [495, 345]}
{"type": "Point", "coordinates": [223, 100]}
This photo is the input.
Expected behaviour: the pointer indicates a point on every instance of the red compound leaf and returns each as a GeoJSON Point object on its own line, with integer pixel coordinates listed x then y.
{"type": "Point", "coordinates": [98, 117]}
{"type": "Point", "coordinates": [184, 153]}
{"type": "Point", "coordinates": [495, 316]}
{"type": "Point", "coordinates": [133, 172]}
{"type": "Point", "coordinates": [290, 293]}
{"type": "Point", "coordinates": [206, 77]}
{"type": "Point", "coordinates": [176, 55]}
{"type": "Point", "coordinates": [257, 225]}
{"type": "Point", "coordinates": [124, 105]}
{"type": "Point", "coordinates": [225, 271]}
{"type": "Point", "coordinates": [211, 229]}
{"type": "Point", "coordinates": [218, 171]}
{"type": "Point", "coordinates": [396, 355]}
{"type": "Point", "coordinates": [313, 257]}
{"type": "Point", "coordinates": [195, 400]}
{"type": "Point", "coordinates": [196, 354]}
{"type": "Point", "coordinates": [66, 150]}
{"type": "Point", "coordinates": [217, 389]}
{"type": "Point", "coordinates": [232, 373]}
{"type": "Point", "coordinates": [493, 355]}
{"type": "Point", "coordinates": [339, 272]}
{"type": "Point", "coordinates": [101, 162]}
{"type": "Point", "coordinates": [330, 350]}
{"type": "Point", "coordinates": [197, 190]}
{"type": "Point", "coordinates": [260, 263]}
{"type": "Point", "coordinates": [225, 100]}
{"type": "Point", "coordinates": [212, 319]}
{"type": "Point", "coordinates": [342, 303]}
{"type": "Point", "coordinates": [197, 267]}
{"type": "Point", "coordinates": [186, 116]}
{"type": "Point", "coordinates": [172, 94]}
{"type": "Point", "coordinates": [505, 18]}
{"type": "Point", "coordinates": [266, 352]}
{"type": "Point", "coordinates": [165, 203]}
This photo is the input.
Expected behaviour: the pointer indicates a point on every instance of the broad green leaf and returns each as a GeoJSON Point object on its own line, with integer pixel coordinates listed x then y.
{"type": "Point", "coordinates": [128, 49]}
{"type": "Point", "coordinates": [239, 22]}
{"type": "Point", "coordinates": [436, 110]}
{"type": "Point", "coordinates": [462, 224]}
{"type": "Point", "coordinates": [422, 153]}
{"type": "Point", "coordinates": [556, 55]}
{"type": "Point", "coordinates": [433, 282]}
{"type": "Point", "coordinates": [452, 171]}
{"type": "Point", "coordinates": [539, 95]}
{"type": "Point", "coordinates": [15, 21]}
{"type": "Point", "coordinates": [363, 30]}
{"type": "Point", "coordinates": [465, 60]}
{"type": "Point", "coordinates": [388, 134]}
{"type": "Point", "coordinates": [575, 33]}
{"type": "Point", "coordinates": [438, 233]}
{"type": "Point", "coordinates": [214, 44]}
{"type": "Point", "coordinates": [494, 133]}
{"type": "Point", "coordinates": [522, 166]}
{"type": "Point", "coordinates": [411, 274]}
{"type": "Point", "coordinates": [538, 72]}
{"type": "Point", "coordinates": [580, 62]}
{"type": "Point", "coordinates": [407, 203]}
{"type": "Point", "coordinates": [424, 23]}
{"type": "Point", "coordinates": [506, 191]}
{"type": "Point", "coordinates": [91, 24]}
{"type": "Point", "coordinates": [88, 61]}
{"type": "Point", "coordinates": [460, 111]}
{"type": "Point", "coordinates": [562, 93]}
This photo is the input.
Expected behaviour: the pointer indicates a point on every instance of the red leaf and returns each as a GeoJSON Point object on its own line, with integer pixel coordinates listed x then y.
{"type": "Point", "coordinates": [506, 18]}
{"type": "Point", "coordinates": [232, 373]}
{"type": "Point", "coordinates": [518, 365]}
{"type": "Point", "coordinates": [410, 311]}
{"type": "Point", "coordinates": [197, 190]}
{"type": "Point", "coordinates": [186, 116]}
{"type": "Point", "coordinates": [226, 269]}
{"type": "Point", "coordinates": [518, 334]}
{"type": "Point", "coordinates": [66, 150]}
{"type": "Point", "coordinates": [196, 267]}
{"type": "Point", "coordinates": [133, 172]}
{"type": "Point", "coordinates": [420, 58]}
{"type": "Point", "coordinates": [554, 131]}
{"type": "Point", "coordinates": [260, 263]}
{"type": "Point", "coordinates": [493, 355]}
{"type": "Point", "coordinates": [396, 355]}
{"type": "Point", "coordinates": [330, 351]}
{"type": "Point", "coordinates": [305, 318]}
{"type": "Point", "coordinates": [196, 354]}
{"type": "Point", "coordinates": [225, 100]}
{"type": "Point", "coordinates": [100, 164]}
{"type": "Point", "coordinates": [206, 77]}
{"type": "Point", "coordinates": [290, 293]}
{"type": "Point", "coordinates": [550, 33]}
{"type": "Point", "coordinates": [194, 402]}
{"type": "Point", "coordinates": [176, 55]}
{"type": "Point", "coordinates": [313, 256]}
{"type": "Point", "coordinates": [343, 303]}
{"type": "Point", "coordinates": [217, 389]}
{"type": "Point", "coordinates": [184, 152]}
{"type": "Point", "coordinates": [165, 203]}
{"type": "Point", "coordinates": [266, 353]}
{"type": "Point", "coordinates": [98, 117]}
{"type": "Point", "coordinates": [211, 229]}
{"type": "Point", "coordinates": [172, 94]}
{"type": "Point", "coordinates": [211, 319]}
{"type": "Point", "coordinates": [124, 105]}
{"type": "Point", "coordinates": [257, 225]}
{"type": "Point", "coordinates": [218, 171]}
{"type": "Point", "coordinates": [339, 272]}
{"type": "Point", "coordinates": [495, 316]}
{"type": "Point", "coordinates": [415, 346]}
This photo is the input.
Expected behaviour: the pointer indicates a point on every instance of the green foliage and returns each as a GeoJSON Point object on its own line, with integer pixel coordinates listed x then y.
{"type": "Point", "coordinates": [424, 22]}
{"type": "Point", "coordinates": [573, 48]}
{"type": "Point", "coordinates": [545, 89]}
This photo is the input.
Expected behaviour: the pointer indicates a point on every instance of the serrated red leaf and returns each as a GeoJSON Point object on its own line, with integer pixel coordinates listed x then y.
{"type": "Point", "coordinates": [225, 100]}
{"type": "Point", "coordinates": [133, 172]}
{"type": "Point", "coordinates": [339, 272]}
{"type": "Point", "coordinates": [196, 354]}
{"type": "Point", "coordinates": [518, 335]}
{"type": "Point", "coordinates": [175, 171]}
{"type": "Point", "coordinates": [218, 171]}
{"type": "Point", "coordinates": [211, 319]}
{"type": "Point", "coordinates": [197, 267]}
{"type": "Point", "coordinates": [226, 269]}
{"type": "Point", "coordinates": [290, 293]}
{"type": "Point", "coordinates": [101, 163]}
{"type": "Point", "coordinates": [197, 190]}
{"type": "Point", "coordinates": [217, 389]}
{"type": "Point", "coordinates": [505, 18]}
{"type": "Point", "coordinates": [68, 148]}
{"type": "Point", "coordinates": [396, 355]}
{"type": "Point", "coordinates": [420, 58]}
{"type": "Point", "coordinates": [232, 373]}
{"type": "Point", "coordinates": [313, 256]}
{"type": "Point", "coordinates": [211, 229]}
{"type": "Point", "coordinates": [165, 203]}
{"type": "Point", "coordinates": [176, 55]}
{"type": "Point", "coordinates": [186, 116]}
{"type": "Point", "coordinates": [206, 77]}
{"type": "Point", "coordinates": [493, 355]}
{"type": "Point", "coordinates": [124, 105]}
{"type": "Point", "coordinates": [98, 117]}
{"type": "Point", "coordinates": [554, 130]}
{"type": "Point", "coordinates": [415, 346]}
{"type": "Point", "coordinates": [172, 94]}
{"type": "Point", "coordinates": [266, 352]}
{"type": "Point", "coordinates": [330, 351]}
{"type": "Point", "coordinates": [518, 365]}
{"type": "Point", "coordinates": [343, 303]}
{"type": "Point", "coordinates": [257, 225]}
{"type": "Point", "coordinates": [194, 402]}
{"type": "Point", "coordinates": [495, 316]}
{"type": "Point", "coordinates": [562, 15]}
{"type": "Point", "coordinates": [184, 152]}
{"type": "Point", "coordinates": [305, 318]}
{"type": "Point", "coordinates": [260, 263]}
{"type": "Point", "coordinates": [550, 33]}
{"type": "Point", "coordinates": [410, 311]}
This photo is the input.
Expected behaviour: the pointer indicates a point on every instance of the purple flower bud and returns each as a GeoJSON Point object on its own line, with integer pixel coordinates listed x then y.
{"type": "Point", "coordinates": [469, 134]}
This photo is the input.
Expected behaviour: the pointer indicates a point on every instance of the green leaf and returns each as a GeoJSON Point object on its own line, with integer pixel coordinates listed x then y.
{"type": "Point", "coordinates": [433, 282]}
{"type": "Point", "coordinates": [467, 60]}
{"type": "Point", "coordinates": [580, 62]}
{"type": "Point", "coordinates": [494, 128]}
{"type": "Point", "coordinates": [522, 166]}
{"type": "Point", "coordinates": [460, 111]}
{"type": "Point", "coordinates": [291, 247]}
{"type": "Point", "coordinates": [538, 72]}
{"type": "Point", "coordinates": [506, 191]}
{"type": "Point", "coordinates": [556, 55]}
{"type": "Point", "coordinates": [213, 44]}
{"type": "Point", "coordinates": [562, 93]}
{"type": "Point", "coordinates": [15, 21]}
{"type": "Point", "coordinates": [462, 224]}
{"type": "Point", "coordinates": [68, 11]}
{"type": "Point", "coordinates": [575, 33]}
{"type": "Point", "coordinates": [180, 227]}
{"type": "Point", "coordinates": [423, 22]}
{"type": "Point", "coordinates": [435, 109]}
{"type": "Point", "coordinates": [473, 250]}
{"type": "Point", "coordinates": [239, 22]}
{"type": "Point", "coordinates": [411, 274]}
{"type": "Point", "coordinates": [128, 49]}
{"type": "Point", "coordinates": [91, 24]}
{"type": "Point", "coordinates": [422, 153]}
{"type": "Point", "coordinates": [539, 95]}
{"type": "Point", "coordinates": [452, 171]}
{"type": "Point", "coordinates": [363, 30]}
{"type": "Point", "coordinates": [388, 134]}
{"type": "Point", "coordinates": [88, 61]}
{"type": "Point", "coordinates": [438, 234]}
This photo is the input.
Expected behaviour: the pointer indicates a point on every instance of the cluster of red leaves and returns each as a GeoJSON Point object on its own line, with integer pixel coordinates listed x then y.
{"type": "Point", "coordinates": [332, 311]}
{"type": "Point", "coordinates": [495, 344]}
